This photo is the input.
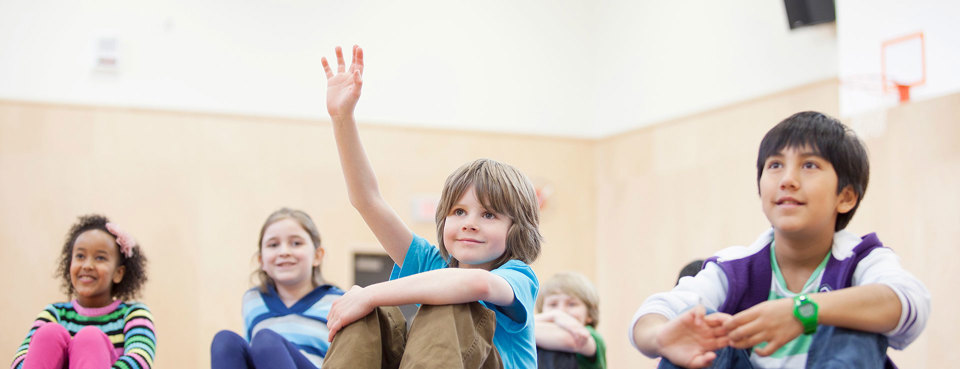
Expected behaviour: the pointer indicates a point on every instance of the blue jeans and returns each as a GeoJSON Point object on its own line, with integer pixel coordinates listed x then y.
{"type": "Point", "coordinates": [268, 350]}
{"type": "Point", "coordinates": [832, 347]}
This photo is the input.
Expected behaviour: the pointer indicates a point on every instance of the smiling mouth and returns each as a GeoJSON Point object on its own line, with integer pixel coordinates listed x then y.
{"type": "Point", "coordinates": [470, 240]}
{"type": "Point", "coordinates": [86, 278]}
{"type": "Point", "coordinates": [789, 202]}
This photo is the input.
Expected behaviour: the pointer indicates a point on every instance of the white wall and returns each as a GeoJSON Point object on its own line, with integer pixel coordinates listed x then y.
{"type": "Point", "coordinates": [574, 68]}
{"type": "Point", "coordinates": [668, 59]}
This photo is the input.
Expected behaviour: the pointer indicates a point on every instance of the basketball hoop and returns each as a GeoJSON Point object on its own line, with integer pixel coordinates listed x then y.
{"type": "Point", "coordinates": [903, 64]}
{"type": "Point", "coordinates": [904, 92]}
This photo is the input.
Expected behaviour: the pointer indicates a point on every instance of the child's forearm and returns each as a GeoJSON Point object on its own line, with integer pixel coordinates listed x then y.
{"type": "Point", "coordinates": [645, 333]}
{"type": "Point", "coordinates": [552, 336]}
{"type": "Point", "coordinates": [846, 308]}
{"type": "Point", "coordinates": [364, 192]}
{"type": "Point", "coordinates": [442, 287]}
{"type": "Point", "coordinates": [362, 187]}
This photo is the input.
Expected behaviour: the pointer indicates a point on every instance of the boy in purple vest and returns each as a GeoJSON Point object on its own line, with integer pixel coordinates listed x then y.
{"type": "Point", "coordinates": [804, 294]}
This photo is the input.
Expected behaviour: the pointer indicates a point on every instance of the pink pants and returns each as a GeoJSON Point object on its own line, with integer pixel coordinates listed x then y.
{"type": "Point", "coordinates": [51, 348]}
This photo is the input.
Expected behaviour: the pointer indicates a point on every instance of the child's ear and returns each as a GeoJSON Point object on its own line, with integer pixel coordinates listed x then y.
{"type": "Point", "coordinates": [118, 274]}
{"type": "Point", "coordinates": [318, 256]}
{"type": "Point", "coordinates": [846, 200]}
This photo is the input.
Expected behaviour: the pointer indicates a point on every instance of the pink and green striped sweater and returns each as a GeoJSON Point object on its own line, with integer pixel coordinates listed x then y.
{"type": "Point", "coordinates": [128, 325]}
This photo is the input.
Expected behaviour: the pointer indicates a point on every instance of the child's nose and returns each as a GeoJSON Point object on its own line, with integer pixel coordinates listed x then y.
{"type": "Point", "coordinates": [789, 179]}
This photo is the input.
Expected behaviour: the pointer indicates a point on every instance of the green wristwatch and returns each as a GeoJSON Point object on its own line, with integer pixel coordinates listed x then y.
{"type": "Point", "coordinates": [806, 312]}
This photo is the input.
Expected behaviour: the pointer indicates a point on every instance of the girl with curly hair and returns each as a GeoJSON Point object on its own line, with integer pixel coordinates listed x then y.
{"type": "Point", "coordinates": [102, 268]}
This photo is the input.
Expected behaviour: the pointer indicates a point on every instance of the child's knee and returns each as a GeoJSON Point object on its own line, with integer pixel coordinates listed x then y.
{"type": "Point", "coordinates": [92, 336]}
{"type": "Point", "coordinates": [51, 332]}
{"type": "Point", "coordinates": [840, 347]}
{"type": "Point", "coordinates": [266, 341]}
{"type": "Point", "coordinates": [227, 341]}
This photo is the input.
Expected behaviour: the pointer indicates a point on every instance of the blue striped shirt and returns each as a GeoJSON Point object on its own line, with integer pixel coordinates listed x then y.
{"type": "Point", "coordinates": [303, 324]}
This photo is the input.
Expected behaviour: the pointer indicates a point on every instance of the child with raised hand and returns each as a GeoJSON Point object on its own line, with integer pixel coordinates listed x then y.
{"type": "Point", "coordinates": [102, 266]}
{"type": "Point", "coordinates": [285, 317]}
{"type": "Point", "coordinates": [475, 288]}
{"type": "Point", "coordinates": [567, 316]}
{"type": "Point", "coordinates": [806, 293]}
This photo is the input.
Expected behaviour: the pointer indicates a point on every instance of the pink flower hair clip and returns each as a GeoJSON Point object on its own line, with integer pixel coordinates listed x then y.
{"type": "Point", "coordinates": [124, 239]}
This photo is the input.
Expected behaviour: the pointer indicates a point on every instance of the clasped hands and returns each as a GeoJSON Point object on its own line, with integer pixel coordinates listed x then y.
{"type": "Point", "coordinates": [691, 338]}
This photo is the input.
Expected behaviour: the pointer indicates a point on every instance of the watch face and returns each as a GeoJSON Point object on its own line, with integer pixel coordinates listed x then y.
{"type": "Point", "coordinates": [806, 310]}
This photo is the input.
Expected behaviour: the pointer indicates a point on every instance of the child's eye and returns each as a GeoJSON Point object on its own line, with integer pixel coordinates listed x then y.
{"type": "Point", "coordinates": [78, 256]}
{"type": "Point", "coordinates": [102, 258]}
{"type": "Point", "coordinates": [297, 243]}
{"type": "Point", "coordinates": [458, 212]}
{"type": "Point", "coordinates": [272, 244]}
{"type": "Point", "coordinates": [774, 165]}
{"type": "Point", "coordinates": [810, 165]}
{"type": "Point", "coordinates": [489, 215]}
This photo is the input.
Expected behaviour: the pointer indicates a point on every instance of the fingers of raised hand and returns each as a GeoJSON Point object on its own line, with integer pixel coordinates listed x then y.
{"type": "Point", "coordinates": [341, 66]}
{"type": "Point", "coordinates": [326, 67]}
{"type": "Point", "coordinates": [357, 63]}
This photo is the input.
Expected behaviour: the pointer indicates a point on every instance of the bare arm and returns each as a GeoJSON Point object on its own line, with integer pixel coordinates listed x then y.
{"type": "Point", "coordinates": [645, 333]}
{"type": "Point", "coordinates": [845, 308]}
{"type": "Point", "coordinates": [435, 287]}
{"type": "Point", "coordinates": [559, 331]}
{"type": "Point", "coordinates": [869, 308]}
{"type": "Point", "coordinates": [343, 92]}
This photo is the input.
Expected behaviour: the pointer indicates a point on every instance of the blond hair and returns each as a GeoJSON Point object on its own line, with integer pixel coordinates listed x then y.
{"type": "Point", "coordinates": [307, 224]}
{"type": "Point", "coordinates": [502, 189]}
{"type": "Point", "coordinates": [576, 285]}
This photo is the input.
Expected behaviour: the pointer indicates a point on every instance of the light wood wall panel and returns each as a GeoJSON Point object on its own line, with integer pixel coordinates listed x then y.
{"type": "Point", "coordinates": [195, 189]}
{"type": "Point", "coordinates": [627, 211]}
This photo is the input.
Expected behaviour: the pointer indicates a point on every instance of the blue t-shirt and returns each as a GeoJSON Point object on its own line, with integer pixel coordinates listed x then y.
{"type": "Point", "coordinates": [513, 337]}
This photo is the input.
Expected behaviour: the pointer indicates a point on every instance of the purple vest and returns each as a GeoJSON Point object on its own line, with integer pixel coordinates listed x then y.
{"type": "Point", "coordinates": [748, 278]}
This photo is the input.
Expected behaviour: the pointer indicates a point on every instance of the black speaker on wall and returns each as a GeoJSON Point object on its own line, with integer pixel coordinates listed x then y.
{"type": "Point", "coordinates": [801, 13]}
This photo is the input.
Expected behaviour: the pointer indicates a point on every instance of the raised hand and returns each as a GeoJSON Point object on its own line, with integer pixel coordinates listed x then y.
{"type": "Point", "coordinates": [350, 307]}
{"type": "Point", "coordinates": [771, 322]}
{"type": "Point", "coordinates": [343, 88]}
{"type": "Point", "coordinates": [690, 339]}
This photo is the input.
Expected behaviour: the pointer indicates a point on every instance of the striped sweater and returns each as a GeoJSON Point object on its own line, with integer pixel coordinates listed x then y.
{"type": "Point", "coordinates": [303, 324]}
{"type": "Point", "coordinates": [128, 325]}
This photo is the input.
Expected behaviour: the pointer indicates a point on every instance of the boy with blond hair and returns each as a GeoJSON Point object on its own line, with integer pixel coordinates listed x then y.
{"type": "Point", "coordinates": [567, 315]}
